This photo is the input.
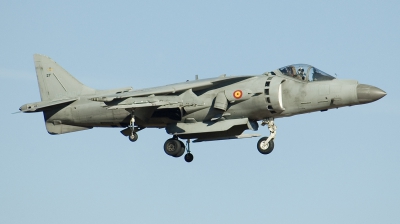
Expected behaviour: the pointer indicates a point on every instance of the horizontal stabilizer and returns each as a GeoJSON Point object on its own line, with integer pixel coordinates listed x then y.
{"type": "Point", "coordinates": [43, 105]}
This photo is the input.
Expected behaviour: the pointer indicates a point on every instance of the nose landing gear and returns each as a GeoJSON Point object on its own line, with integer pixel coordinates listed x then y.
{"type": "Point", "coordinates": [266, 144]}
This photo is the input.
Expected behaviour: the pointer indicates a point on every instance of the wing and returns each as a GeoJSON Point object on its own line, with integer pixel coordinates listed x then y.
{"type": "Point", "coordinates": [173, 88]}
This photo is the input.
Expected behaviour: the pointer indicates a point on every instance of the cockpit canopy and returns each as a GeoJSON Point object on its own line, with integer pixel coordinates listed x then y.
{"type": "Point", "coordinates": [305, 72]}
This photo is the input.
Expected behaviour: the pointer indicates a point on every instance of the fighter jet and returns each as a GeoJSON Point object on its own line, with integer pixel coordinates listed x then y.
{"type": "Point", "coordinates": [199, 110]}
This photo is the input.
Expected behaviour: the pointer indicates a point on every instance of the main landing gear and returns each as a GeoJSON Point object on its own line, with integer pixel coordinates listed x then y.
{"type": "Point", "coordinates": [176, 148]}
{"type": "Point", "coordinates": [266, 144]}
{"type": "Point", "coordinates": [173, 146]}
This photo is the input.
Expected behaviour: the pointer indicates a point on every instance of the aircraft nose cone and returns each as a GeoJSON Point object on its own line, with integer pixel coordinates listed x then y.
{"type": "Point", "coordinates": [368, 94]}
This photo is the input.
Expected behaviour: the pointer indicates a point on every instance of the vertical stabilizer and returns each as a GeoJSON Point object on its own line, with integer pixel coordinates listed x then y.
{"type": "Point", "coordinates": [56, 83]}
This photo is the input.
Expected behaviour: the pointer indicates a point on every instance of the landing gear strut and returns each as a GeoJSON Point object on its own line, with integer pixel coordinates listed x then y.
{"type": "Point", "coordinates": [266, 144]}
{"type": "Point", "coordinates": [131, 131]}
{"type": "Point", "coordinates": [188, 156]}
{"type": "Point", "coordinates": [133, 137]}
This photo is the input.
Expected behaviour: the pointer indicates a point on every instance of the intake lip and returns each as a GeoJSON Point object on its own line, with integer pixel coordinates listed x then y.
{"type": "Point", "coordinates": [368, 93]}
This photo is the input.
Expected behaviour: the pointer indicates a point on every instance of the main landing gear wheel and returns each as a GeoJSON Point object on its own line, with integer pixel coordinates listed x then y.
{"type": "Point", "coordinates": [133, 137]}
{"type": "Point", "coordinates": [182, 150]}
{"type": "Point", "coordinates": [189, 157]}
{"type": "Point", "coordinates": [174, 147]}
{"type": "Point", "coordinates": [265, 147]}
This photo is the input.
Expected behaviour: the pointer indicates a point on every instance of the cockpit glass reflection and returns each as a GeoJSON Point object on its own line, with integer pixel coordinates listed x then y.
{"type": "Point", "coordinates": [305, 72]}
{"type": "Point", "coordinates": [318, 75]}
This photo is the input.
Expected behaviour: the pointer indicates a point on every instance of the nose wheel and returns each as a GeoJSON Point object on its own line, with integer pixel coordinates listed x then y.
{"type": "Point", "coordinates": [266, 144]}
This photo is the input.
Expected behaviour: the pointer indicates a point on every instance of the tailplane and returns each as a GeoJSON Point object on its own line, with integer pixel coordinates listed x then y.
{"type": "Point", "coordinates": [55, 83]}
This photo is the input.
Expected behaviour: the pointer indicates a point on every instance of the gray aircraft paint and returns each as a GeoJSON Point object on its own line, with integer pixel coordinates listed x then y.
{"type": "Point", "coordinates": [205, 110]}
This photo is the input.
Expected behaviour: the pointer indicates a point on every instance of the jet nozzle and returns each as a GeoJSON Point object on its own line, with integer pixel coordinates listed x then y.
{"type": "Point", "coordinates": [368, 94]}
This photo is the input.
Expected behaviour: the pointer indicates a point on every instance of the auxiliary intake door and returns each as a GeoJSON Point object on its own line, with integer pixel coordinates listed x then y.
{"type": "Point", "coordinates": [273, 94]}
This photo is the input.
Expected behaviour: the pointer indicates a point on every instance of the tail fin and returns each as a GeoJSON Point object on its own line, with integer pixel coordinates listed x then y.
{"type": "Point", "coordinates": [56, 83]}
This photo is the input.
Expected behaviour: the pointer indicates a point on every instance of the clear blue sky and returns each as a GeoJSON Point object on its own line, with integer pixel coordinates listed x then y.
{"type": "Point", "coordinates": [340, 166]}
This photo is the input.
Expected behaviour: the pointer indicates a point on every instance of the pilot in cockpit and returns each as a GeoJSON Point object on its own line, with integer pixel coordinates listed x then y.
{"type": "Point", "coordinates": [300, 74]}
{"type": "Point", "coordinates": [292, 71]}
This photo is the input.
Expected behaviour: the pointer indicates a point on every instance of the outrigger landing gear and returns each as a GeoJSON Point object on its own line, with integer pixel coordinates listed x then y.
{"type": "Point", "coordinates": [266, 144]}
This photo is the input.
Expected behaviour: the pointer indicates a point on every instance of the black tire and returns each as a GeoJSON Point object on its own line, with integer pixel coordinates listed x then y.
{"type": "Point", "coordinates": [182, 150]}
{"type": "Point", "coordinates": [265, 148]}
{"type": "Point", "coordinates": [172, 147]}
{"type": "Point", "coordinates": [133, 137]}
{"type": "Point", "coordinates": [189, 157]}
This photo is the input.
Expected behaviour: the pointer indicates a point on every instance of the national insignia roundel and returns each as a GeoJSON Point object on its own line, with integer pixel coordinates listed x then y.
{"type": "Point", "coordinates": [238, 94]}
